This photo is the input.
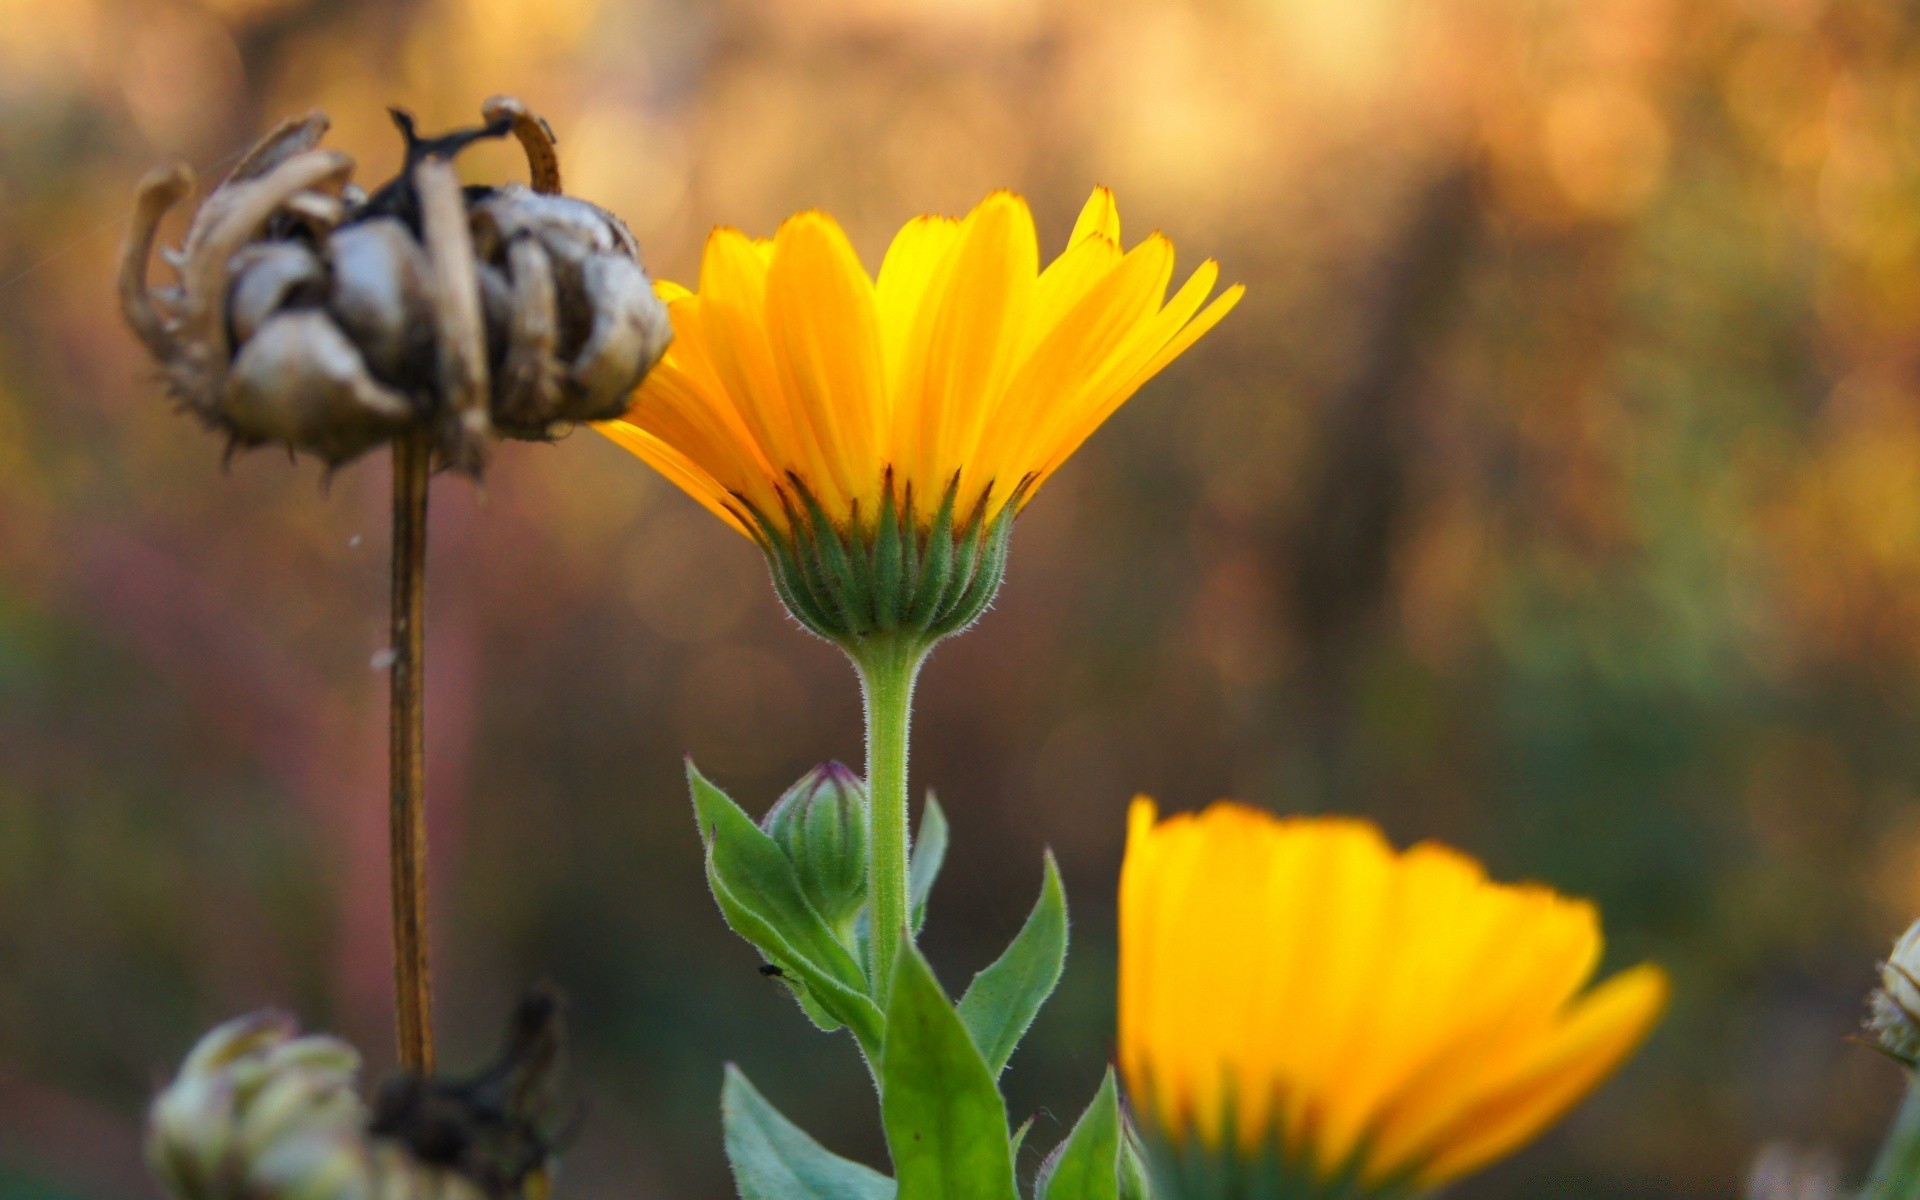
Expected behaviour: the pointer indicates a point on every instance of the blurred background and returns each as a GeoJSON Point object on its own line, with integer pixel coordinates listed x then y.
{"type": "Point", "coordinates": [1555, 492]}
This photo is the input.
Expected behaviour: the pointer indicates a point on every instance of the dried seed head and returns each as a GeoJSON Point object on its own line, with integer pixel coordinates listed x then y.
{"type": "Point", "coordinates": [312, 313]}
{"type": "Point", "coordinates": [1893, 1013]}
{"type": "Point", "coordinates": [259, 1111]}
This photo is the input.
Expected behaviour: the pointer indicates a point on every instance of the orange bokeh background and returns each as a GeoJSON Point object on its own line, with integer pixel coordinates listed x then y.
{"type": "Point", "coordinates": [1555, 492]}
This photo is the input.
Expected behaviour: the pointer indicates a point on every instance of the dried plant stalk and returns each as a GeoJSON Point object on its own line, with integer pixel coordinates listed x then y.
{"type": "Point", "coordinates": [429, 315]}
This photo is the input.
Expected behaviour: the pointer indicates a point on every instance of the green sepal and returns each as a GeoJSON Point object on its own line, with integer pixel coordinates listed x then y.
{"type": "Point", "coordinates": [760, 897]}
{"type": "Point", "coordinates": [928, 856]}
{"type": "Point", "coordinates": [790, 580]}
{"type": "Point", "coordinates": [804, 561]}
{"type": "Point", "coordinates": [774, 1159]}
{"type": "Point", "coordinates": [889, 566]}
{"type": "Point", "coordinates": [932, 576]}
{"type": "Point", "coordinates": [1086, 1166]}
{"type": "Point", "coordinates": [987, 577]}
{"type": "Point", "coordinates": [876, 574]}
{"type": "Point", "coordinates": [966, 556]}
{"type": "Point", "coordinates": [945, 1122]}
{"type": "Point", "coordinates": [839, 560]}
{"type": "Point", "coordinates": [1196, 1171]}
{"type": "Point", "coordinates": [1004, 998]}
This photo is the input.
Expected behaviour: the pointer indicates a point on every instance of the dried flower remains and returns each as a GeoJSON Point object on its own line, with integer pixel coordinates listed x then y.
{"type": "Point", "coordinates": [312, 313]}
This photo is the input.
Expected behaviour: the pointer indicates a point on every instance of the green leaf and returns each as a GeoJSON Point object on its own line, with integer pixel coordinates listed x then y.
{"type": "Point", "coordinates": [1135, 1183]}
{"type": "Point", "coordinates": [761, 899]}
{"type": "Point", "coordinates": [946, 1124]}
{"type": "Point", "coordinates": [1087, 1165]}
{"type": "Point", "coordinates": [929, 854]}
{"type": "Point", "coordinates": [1003, 999]}
{"type": "Point", "coordinates": [774, 1159]}
{"type": "Point", "coordinates": [1020, 1138]}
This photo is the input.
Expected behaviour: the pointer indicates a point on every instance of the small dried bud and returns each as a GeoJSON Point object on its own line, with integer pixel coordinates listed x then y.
{"type": "Point", "coordinates": [821, 823]}
{"type": "Point", "coordinates": [258, 1111]}
{"type": "Point", "coordinates": [314, 314]}
{"type": "Point", "coordinates": [1893, 1016]}
{"type": "Point", "coordinates": [494, 1129]}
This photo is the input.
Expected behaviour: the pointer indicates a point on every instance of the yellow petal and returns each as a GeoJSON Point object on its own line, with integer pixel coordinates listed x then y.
{"type": "Point", "coordinates": [732, 313]}
{"type": "Point", "coordinates": [826, 335]}
{"type": "Point", "coordinates": [1064, 282]}
{"type": "Point", "coordinates": [906, 275]}
{"type": "Point", "coordinates": [1158, 342]}
{"type": "Point", "coordinates": [1050, 382]}
{"type": "Point", "coordinates": [678, 471]}
{"type": "Point", "coordinates": [1395, 1014]}
{"type": "Point", "coordinates": [961, 363]}
{"type": "Point", "coordinates": [1590, 1043]}
{"type": "Point", "coordinates": [961, 348]}
{"type": "Point", "coordinates": [1099, 217]}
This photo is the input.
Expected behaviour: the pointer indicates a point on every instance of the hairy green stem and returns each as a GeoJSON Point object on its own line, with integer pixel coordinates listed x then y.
{"type": "Point", "coordinates": [888, 668]}
{"type": "Point", "coordinates": [1896, 1172]}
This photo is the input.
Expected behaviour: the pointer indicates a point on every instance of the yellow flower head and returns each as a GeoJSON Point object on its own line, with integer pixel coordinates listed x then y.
{"type": "Point", "coordinates": [1298, 986]}
{"type": "Point", "coordinates": [802, 398]}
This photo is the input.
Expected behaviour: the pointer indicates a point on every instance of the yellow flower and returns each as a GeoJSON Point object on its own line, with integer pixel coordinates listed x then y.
{"type": "Point", "coordinates": [963, 360]}
{"type": "Point", "coordinates": [1297, 985]}
{"type": "Point", "coordinates": [802, 397]}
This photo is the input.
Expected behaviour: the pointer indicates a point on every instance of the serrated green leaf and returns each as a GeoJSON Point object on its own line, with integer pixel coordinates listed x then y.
{"type": "Point", "coordinates": [1004, 998]}
{"type": "Point", "coordinates": [774, 1159]}
{"type": "Point", "coordinates": [760, 897]}
{"type": "Point", "coordinates": [1087, 1165]}
{"type": "Point", "coordinates": [929, 855]}
{"type": "Point", "coordinates": [946, 1124]}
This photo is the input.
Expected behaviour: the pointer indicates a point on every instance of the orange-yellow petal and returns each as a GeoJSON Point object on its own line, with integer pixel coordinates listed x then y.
{"type": "Point", "coordinates": [1299, 983]}
{"type": "Point", "coordinates": [961, 363]}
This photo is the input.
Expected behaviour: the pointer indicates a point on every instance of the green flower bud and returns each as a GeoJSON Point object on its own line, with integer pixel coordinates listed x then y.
{"type": "Point", "coordinates": [821, 823]}
{"type": "Point", "coordinates": [259, 1111]}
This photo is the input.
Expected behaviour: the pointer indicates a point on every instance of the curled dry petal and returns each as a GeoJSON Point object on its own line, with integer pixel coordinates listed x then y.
{"type": "Point", "coordinates": [460, 335]}
{"type": "Point", "coordinates": [268, 276]}
{"type": "Point", "coordinates": [299, 380]}
{"type": "Point", "coordinates": [569, 227]}
{"type": "Point", "coordinates": [317, 213]}
{"type": "Point", "coordinates": [296, 135]}
{"type": "Point", "coordinates": [201, 368]}
{"type": "Point", "coordinates": [630, 333]}
{"type": "Point", "coordinates": [535, 137]}
{"type": "Point", "coordinates": [383, 295]}
{"type": "Point", "coordinates": [610, 326]}
{"type": "Point", "coordinates": [529, 380]}
{"type": "Point", "coordinates": [159, 191]}
{"type": "Point", "coordinates": [288, 140]}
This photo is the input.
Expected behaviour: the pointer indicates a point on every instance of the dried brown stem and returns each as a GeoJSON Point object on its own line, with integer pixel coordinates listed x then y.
{"type": "Point", "coordinates": [413, 985]}
{"type": "Point", "coordinates": [536, 138]}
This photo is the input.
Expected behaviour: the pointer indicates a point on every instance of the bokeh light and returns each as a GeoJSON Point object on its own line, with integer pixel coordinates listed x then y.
{"type": "Point", "coordinates": [1555, 491]}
